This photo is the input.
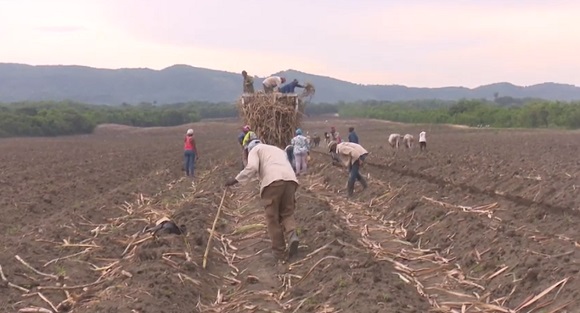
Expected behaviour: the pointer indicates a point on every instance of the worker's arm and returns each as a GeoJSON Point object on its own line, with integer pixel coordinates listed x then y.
{"type": "Point", "coordinates": [251, 170]}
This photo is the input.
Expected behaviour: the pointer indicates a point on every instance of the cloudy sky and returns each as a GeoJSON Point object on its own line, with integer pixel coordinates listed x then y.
{"type": "Point", "coordinates": [414, 42]}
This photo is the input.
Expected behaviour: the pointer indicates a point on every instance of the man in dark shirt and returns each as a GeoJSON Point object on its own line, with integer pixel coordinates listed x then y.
{"type": "Point", "coordinates": [289, 88]}
{"type": "Point", "coordinates": [352, 136]}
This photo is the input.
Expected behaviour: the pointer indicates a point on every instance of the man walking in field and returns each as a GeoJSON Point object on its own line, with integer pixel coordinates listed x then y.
{"type": "Point", "coordinates": [248, 82]}
{"type": "Point", "coordinates": [272, 83]}
{"type": "Point", "coordinates": [352, 156]}
{"type": "Point", "coordinates": [278, 186]}
{"type": "Point", "coordinates": [422, 140]}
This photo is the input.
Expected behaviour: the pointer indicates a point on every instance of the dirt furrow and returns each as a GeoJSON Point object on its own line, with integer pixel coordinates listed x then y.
{"type": "Point", "coordinates": [332, 272]}
{"type": "Point", "coordinates": [469, 238]}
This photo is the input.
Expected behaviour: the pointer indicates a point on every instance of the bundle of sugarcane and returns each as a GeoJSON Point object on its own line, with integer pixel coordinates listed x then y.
{"type": "Point", "coordinates": [274, 117]}
{"type": "Point", "coordinates": [308, 91]}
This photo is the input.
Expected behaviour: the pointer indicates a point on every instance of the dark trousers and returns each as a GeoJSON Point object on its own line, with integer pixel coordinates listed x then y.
{"type": "Point", "coordinates": [354, 175]}
{"type": "Point", "coordinates": [422, 145]}
{"type": "Point", "coordinates": [189, 159]}
{"type": "Point", "coordinates": [280, 203]}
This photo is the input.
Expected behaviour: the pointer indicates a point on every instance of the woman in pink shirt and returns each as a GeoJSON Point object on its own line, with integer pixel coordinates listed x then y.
{"type": "Point", "coordinates": [190, 152]}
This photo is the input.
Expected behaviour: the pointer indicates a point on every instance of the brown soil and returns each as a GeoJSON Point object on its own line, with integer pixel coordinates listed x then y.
{"type": "Point", "coordinates": [483, 218]}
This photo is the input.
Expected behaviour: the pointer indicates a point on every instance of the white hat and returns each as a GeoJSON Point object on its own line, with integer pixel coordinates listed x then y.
{"type": "Point", "coordinates": [253, 143]}
{"type": "Point", "coordinates": [190, 131]}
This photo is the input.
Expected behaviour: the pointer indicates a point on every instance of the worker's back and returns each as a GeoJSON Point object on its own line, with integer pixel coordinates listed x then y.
{"type": "Point", "coordinates": [273, 164]}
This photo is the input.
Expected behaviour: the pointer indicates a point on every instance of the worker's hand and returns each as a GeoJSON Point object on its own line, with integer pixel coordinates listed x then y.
{"type": "Point", "coordinates": [231, 182]}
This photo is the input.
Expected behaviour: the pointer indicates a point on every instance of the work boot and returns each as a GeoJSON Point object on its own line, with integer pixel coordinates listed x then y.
{"type": "Point", "coordinates": [293, 242]}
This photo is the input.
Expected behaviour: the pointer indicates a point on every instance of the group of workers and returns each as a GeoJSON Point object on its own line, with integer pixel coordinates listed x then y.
{"type": "Point", "coordinates": [408, 140]}
{"type": "Point", "coordinates": [270, 84]}
{"type": "Point", "coordinates": [277, 171]}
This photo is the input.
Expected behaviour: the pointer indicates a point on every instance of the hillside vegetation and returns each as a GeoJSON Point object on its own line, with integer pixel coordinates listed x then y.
{"type": "Point", "coordinates": [68, 118]}
{"type": "Point", "coordinates": [182, 83]}
{"type": "Point", "coordinates": [534, 114]}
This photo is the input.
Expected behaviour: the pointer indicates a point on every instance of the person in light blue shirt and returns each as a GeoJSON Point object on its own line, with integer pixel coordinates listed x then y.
{"type": "Point", "coordinates": [301, 151]}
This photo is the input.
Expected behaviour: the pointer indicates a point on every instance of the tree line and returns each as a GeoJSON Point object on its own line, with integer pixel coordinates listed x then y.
{"type": "Point", "coordinates": [68, 118]}
{"type": "Point", "coordinates": [530, 114]}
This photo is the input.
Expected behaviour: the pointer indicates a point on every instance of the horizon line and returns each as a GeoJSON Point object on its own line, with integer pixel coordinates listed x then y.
{"type": "Point", "coordinates": [280, 71]}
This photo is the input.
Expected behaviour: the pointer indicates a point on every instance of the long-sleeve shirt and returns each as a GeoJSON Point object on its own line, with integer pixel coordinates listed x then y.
{"type": "Point", "coordinates": [249, 84]}
{"type": "Point", "coordinates": [300, 144]}
{"type": "Point", "coordinates": [269, 164]}
{"type": "Point", "coordinates": [289, 88]}
{"type": "Point", "coordinates": [352, 137]}
{"type": "Point", "coordinates": [349, 152]}
{"type": "Point", "coordinates": [272, 81]}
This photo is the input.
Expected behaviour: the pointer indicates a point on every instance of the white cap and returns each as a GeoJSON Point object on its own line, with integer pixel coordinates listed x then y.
{"type": "Point", "coordinates": [252, 144]}
{"type": "Point", "coordinates": [190, 131]}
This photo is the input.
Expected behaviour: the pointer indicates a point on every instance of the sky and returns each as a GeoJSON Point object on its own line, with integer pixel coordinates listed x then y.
{"type": "Point", "coordinates": [415, 43]}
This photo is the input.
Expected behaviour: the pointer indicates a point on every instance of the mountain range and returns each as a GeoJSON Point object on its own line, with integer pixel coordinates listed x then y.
{"type": "Point", "coordinates": [182, 83]}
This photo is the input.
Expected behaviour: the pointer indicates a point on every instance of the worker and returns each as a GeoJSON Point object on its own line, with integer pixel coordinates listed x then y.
{"type": "Point", "coordinates": [278, 186]}
{"type": "Point", "coordinates": [408, 140]}
{"type": "Point", "coordinates": [241, 137]}
{"type": "Point", "coordinates": [334, 135]}
{"type": "Point", "coordinates": [248, 82]}
{"type": "Point", "coordinates": [316, 140]}
{"type": "Point", "coordinates": [352, 156]}
{"type": "Point", "coordinates": [301, 152]}
{"type": "Point", "coordinates": [289, 88]}
{"type": "Point", "coordinates": [250, 135]}
{"type": "Point", "coordinates": [394, 140]}
{"type": "Point", "coordinates": [190, 152]}
{"type": "Point", "coordinates": [422, 140]}
{"type": "Point", "coordinates": [352, 136]}
{"type": "Point", "coordinates": [272, 83]}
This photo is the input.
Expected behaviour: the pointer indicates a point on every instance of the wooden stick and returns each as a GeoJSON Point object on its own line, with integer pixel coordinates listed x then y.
{"type": "Point", "coordinates": [34, 310]}
{"type": "Point", "coordinates": [2, 274]}
{"type": "Point", "coordinates": [71, 287]}
{"type": "Point", "coordinates": [212, 229]}
{"type": "Point", "coordinates": [33, 269]}
{"type": "Point", "coordinates": [47, 301]}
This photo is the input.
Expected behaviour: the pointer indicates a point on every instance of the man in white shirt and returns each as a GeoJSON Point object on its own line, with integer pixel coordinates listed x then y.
{"type": "Point", "coordinates": [272, 83]}
{"type": "Point", "coordinates": [422, 140]}
{"type": "Point", "coordinates": [278, 186]}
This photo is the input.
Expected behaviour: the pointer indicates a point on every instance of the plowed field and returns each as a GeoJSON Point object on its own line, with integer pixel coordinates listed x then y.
{"type": "Point", "coordinates": [484, 221]}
